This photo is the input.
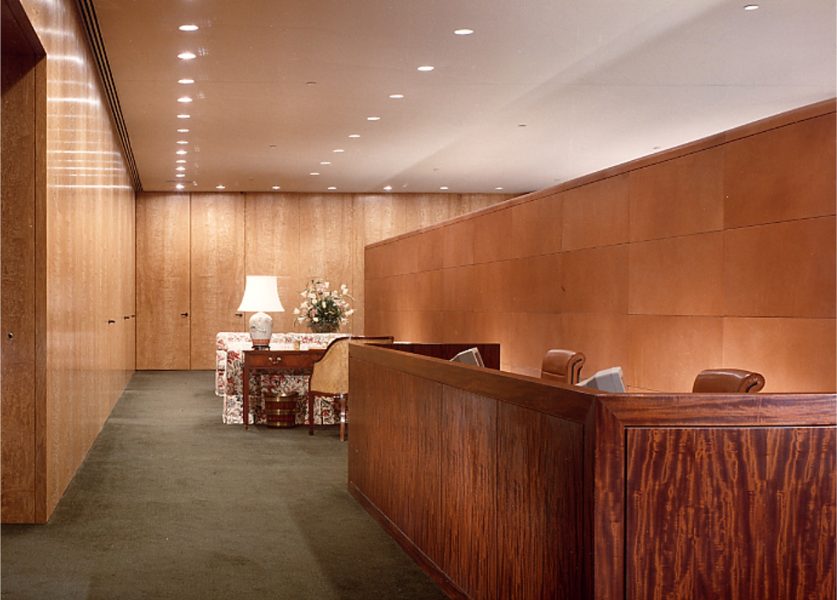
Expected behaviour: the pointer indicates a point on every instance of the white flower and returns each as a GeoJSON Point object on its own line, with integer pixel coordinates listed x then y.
{"type": "Point", "coordinates": [296, 311]}
{"type": "Point", "coordinates": [316, 319]}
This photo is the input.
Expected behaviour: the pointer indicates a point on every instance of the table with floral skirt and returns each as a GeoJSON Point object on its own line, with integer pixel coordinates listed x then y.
{"type": "Point", "coordinates": [229, 356]}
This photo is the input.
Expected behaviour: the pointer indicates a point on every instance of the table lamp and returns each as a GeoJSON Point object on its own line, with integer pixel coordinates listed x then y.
{"type": "Point", "coordinates": [261, 295]}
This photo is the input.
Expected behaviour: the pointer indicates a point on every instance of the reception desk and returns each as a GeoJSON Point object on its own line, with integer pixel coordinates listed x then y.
{"type": "Point", "coordinates": [504, 486]}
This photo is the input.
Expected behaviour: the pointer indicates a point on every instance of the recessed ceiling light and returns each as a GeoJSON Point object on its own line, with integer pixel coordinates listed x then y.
{"type": "Point", "coordinates": [181, 161]}
{"type": "Point", "coordinates": [220, 186]}
{"type": "Point", "coordinates": [463, 31]}
{"type": "Point", "coordinates": [180, 168]}
{"type": "Point", "coordinates": [396, 96]}
{"type": "Point", "coordinates": [186, 81]}
{"type": "Point", "coordinates": [189, 27]}
{"type": "Point", "coordinates": [186, 56]}
{"type": "Point", "coordinates": [179, 186]}
{"type": "Point", "coordinates": [182, 142]}
{"type": "Point", "coordinates": [325, 162]}
{"type": "Point", "coordinates": [184, 99]}
{"type": "Point", "coordinates": [338, 150]}
{"type": "Point", "coordinates": [354, 136]}
{"type": "Point", "coordinates": [181, 152]}
{"type": "Point", "coordinates": [332, 188]}
{"type": "Point", "coordinates": [751, 7]}
{"type": "Point", "coordinates": [426, 68]}
{"type": "Point", "coordinates": [181, 175]}
{"type": "Point", "coordinates": [184, 116]}
{"type": "Point", "coordinates": [444, 187]}
{"type": "Point", "coordinates": [387, 188]}
{"type": "Point", "coordinates": [313, 173]}
{"type": "Point", "coordinates": [277, 187]}
{"type": "Point", "coordinates": [498, 188]}
{"type": "Point", "coordinates": [521, 124]}
{"type": "Point", "coordinates": [373, 118]}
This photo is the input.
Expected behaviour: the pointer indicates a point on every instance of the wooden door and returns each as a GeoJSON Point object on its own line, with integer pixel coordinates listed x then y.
{"type": "Point", "coordinates": [217, 278]}
{"type": "Point", "coordinates": [163, 312]}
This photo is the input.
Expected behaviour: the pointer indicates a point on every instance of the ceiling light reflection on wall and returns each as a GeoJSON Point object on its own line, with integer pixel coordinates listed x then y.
{"type": "Point", "coordinates": [276, 187]}
{"type": "Point", "coordinates": [444, 187]}
{"type": "Point", "coordinates": [184, 116]}
{"type": "Point", "coordinates": [426, 68]}
{"type": "Point", "coordinates": [373, 118]}
{"type": "Point", "coordinates": [181, 152]}
{"type": "Point", "coordinates": [180, 175]}
{"type": "Point", "coordinates": [751, 7]}
{"type": "Point", "coordinates": [396, 96]}
{"type": "Point", "coordinates": [182, 142]}
{"type": "Point", "coordinates": [315, 173]}
{"type": "Point", "coordinates": [387, 188]}
{"type": "Point", "coordinates": [338, 150]}
{"type": "Point", "coordinates": [179, 186]}
{"type": "Point", "coordinates": [463, 31]}
{"type": "Point", "coordinates": [188, 27]}
{"type": "Point", "coordinates": [332, 188]}
{"type": "Point", "coordinates": [325, 162]}
{"type": "Point", "coordinates": [186, 56]}
{"type": "Point", "coordinates": [180, 168]}
{"type": "Point", "coordinates": [181, 161]}
{"type": "Point", "coordinates": [186, 81]}
{"type": "Point", "coordinates": [354, 136]}
{"type": "Point", "coordinates": [220, 186]}
{"type": "Point", "coordinates": [184, 99]}
{"type": "Point", "coordinates": [182, 130]}
{"type": "Point", "coordinates": [498, 188]}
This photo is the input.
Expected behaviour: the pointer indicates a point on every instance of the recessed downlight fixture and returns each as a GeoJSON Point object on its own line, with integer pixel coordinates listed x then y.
{"type": "Point", "coordinates": [184, 116]}
{"type": "Point", "coordinates": [220, 186]}
{"type": "Point", "coordinates": [189, 27]}
{"type": "Point", "coordinates": [187, 56]}
{"type": "Point", "coordinates": [354, 136]}
{"type": "Point", "coordinates": [463, 31]}
{"type": "Point", "coordinates": [338, 150]}
{"type": "Point", "coordinates": [425, 68]}
{"type": "Point", "coordinates": [180, 168]}
{"type": "Point", "coordinates": [396, 96]}
{"type": "Point", "coordinates": [181, 161]}
{"type": "Point", "coordinates": [184, 99]}
{"type": "Point", "coordinates": [332, 188]}
{"type": "Point", "coordinates": [182, 142]}
{"type": "Point", "coordinates": [313, 173]}
{"type": "Point", "coordinates": [387, 188]}
{"type": "Point", "coordinates": [181, 152]}
{"type": "Point", "coordinates": [325, 162]}
{"type": "Point", "coordinates": [179, 186]}
{"type": "Point", "coordinates": [186, 81]}
{"type": "Point", "coordinates": [373, 118]}
{"type": "Point", "coordinates": [751, 7]}
{"type": "Point", "coordinates": [276, 187]}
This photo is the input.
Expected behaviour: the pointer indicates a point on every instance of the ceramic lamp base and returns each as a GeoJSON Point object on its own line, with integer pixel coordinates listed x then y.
{"type": "Point", "coordinates": [261, 328]}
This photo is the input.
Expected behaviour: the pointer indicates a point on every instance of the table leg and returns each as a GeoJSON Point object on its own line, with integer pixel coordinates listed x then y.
{"type": "Point", "coordinates": [310, 413]}
{"type": "Point", "coordinates": [245, 396]}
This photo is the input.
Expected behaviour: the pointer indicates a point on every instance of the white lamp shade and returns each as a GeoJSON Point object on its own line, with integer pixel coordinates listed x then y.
{"type": "Point", "coordinates": [261, 294]}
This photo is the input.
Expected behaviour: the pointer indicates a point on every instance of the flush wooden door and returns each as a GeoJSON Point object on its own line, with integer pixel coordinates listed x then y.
{"type": "Point", "coordinates": [217, 272]}
{"type": "Point", "coordinates": [163, 313]}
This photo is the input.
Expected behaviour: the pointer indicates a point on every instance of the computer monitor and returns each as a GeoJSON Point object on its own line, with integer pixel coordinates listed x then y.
{"type": "Point", "coordinates": [606, 380]}
{"type": "Point", "coordinates": [471, 356]}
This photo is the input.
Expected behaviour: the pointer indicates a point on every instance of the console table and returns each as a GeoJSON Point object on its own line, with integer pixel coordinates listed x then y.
{"type": "Point", "coordinates": [289, 362]}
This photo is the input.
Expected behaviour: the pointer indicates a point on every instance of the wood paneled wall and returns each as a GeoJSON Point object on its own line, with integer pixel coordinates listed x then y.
{"type": "Point", "coordinates": [717, 253]}
{"type": "Point", "coordinates": [294, 236]}
{"type": "Point", "coordinates": [85, 259]}
{"type": "Point", "coordinates": [505, 486]}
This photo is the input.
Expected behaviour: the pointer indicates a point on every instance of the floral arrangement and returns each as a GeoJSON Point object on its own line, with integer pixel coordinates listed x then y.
{"type": "Point", "coordinates": [323, 310]}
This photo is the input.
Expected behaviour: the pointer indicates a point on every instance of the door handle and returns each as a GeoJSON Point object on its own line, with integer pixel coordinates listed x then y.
{"type": "Point", "coordinates": [184, 314]}
{"type": "Point", "coordinates": [111, 321]}
{"type": "Point", "coordinates": [239, 314]}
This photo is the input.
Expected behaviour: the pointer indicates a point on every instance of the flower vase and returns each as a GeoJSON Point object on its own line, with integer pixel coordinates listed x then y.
{"type": "Point", "coordinates": [323, 327]}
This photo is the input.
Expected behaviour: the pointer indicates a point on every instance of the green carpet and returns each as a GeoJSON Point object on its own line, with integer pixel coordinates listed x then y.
{"type": "Point", "coordinates": [171, 503]}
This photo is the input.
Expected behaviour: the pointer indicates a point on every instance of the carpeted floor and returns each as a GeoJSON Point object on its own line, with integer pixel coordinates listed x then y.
{"type": "Point", "coordinates": [170, 503]}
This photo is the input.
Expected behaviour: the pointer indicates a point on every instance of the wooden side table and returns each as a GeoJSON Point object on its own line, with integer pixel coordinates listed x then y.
{"type": "Point", "coordinates": [290, 362]}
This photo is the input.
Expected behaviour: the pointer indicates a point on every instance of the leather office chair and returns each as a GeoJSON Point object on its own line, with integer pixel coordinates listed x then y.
{"type": "Point", "coordinates": [728, 381]}
{"type": "Point", "coordinates": [330, 377]}
{"type": "Point", "coordinates": [562, 365]}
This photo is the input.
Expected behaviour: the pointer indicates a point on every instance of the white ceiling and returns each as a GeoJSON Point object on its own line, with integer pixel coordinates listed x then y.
{"type": "Point", "coordinates": [596, 83]}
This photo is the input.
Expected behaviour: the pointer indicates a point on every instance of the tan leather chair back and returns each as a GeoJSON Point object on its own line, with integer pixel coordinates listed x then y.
{"type": "Point", "coordinates": [331, 373]}
{"type": "Point", "coordinates": [562, 365]}
{"type": "Point", "coordinates": [728, 381]}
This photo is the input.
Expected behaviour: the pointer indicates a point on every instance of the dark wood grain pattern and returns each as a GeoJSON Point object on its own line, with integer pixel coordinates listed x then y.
{"type": "Point", "coordinates": [469, 489]}
{"type": "Point", "coordinates": [539, 525]}
{"type": "Point", "coordinates": [731, 513]}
